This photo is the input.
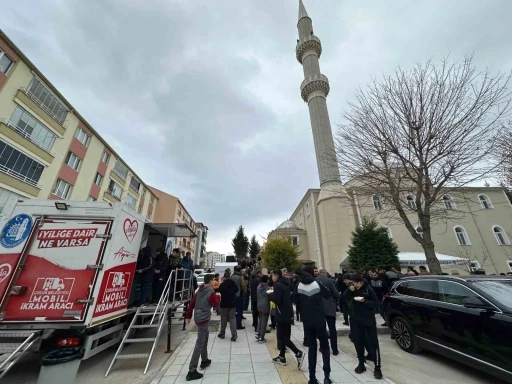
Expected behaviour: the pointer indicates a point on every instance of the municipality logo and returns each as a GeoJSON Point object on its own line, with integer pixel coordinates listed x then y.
{"type": "Point", "coordinates": [16, 231]}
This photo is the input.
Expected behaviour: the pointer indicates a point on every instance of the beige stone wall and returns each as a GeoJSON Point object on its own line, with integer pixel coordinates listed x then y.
{"type": "Point", "coordinates": [469, 214]}
{"type": "Point", "coordinates": [335, 223]}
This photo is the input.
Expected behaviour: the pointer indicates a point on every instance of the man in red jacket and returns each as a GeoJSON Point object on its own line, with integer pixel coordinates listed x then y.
{"type": "Point", "coordinates": [201, 305]}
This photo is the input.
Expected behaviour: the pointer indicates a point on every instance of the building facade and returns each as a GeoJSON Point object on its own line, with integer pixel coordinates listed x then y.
{"type": "Point", "coordinates": [213, 258]}
{"type": "Point", "coordinates": [172, 210]}
{"type": "Point", "coordinates": [49, 151]}
{"type": "Point", "coordinates": [477, 227]}
{"type": "Point", "coordinates": [202, 234]}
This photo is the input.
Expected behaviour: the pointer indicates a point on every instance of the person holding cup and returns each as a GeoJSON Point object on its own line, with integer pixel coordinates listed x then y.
{"type": "Point", "coordinates": [362, 301]}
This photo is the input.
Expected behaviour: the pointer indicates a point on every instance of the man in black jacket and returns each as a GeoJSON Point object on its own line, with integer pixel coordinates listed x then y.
{"type": "Point", "coordinates": [341, 286]}
{"type": "Point", "coordinates": [160, 273]}
{"type": "Point", "coordinates": [330, 308]}
{"type": "Point", "coordinates": [362, 302]}
{"type": "Point", "coordinates": [255, 281]}
{"type": "Point", "coordinates": [310, 296]}
{"type": "Point", "coordinates": [227, 290]}
{"type": "Point", "coordinates": [282, 297]}
{"type": "Point", "coordinates": [144, 273]}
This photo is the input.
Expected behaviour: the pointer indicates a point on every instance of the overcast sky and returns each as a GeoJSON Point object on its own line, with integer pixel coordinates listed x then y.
{"type": "Point", "coordinates": [201, 98]}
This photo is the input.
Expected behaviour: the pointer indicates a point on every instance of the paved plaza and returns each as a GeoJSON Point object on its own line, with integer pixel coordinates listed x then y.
{"type": "Point", "coordinates": [248, 362]}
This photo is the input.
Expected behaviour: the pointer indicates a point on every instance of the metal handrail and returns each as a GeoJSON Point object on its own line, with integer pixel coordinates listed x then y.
{"type": "Point", "coordinates": [19, 176]}
{"type": "Point", "coordinates": [28, 136]}
{"type": "Point", "coordinates": [40, 104]}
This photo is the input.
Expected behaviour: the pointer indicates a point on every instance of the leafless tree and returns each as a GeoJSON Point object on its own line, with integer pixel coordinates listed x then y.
{"type": "Point", "coordinates": [424, 132]}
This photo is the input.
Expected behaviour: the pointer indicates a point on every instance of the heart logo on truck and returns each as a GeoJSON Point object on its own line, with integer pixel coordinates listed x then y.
{"type": "Point", "coordinates": [5, 271]}
{"type": "Point", "coordinates": [130, 229]}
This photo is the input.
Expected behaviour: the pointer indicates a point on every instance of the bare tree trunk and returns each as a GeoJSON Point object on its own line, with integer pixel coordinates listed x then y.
{"type": "Point", "coordinates": [430, 254]}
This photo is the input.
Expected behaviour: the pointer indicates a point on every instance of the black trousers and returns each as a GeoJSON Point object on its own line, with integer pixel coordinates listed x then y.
{"type": "Point", "coordinates": [310, 335]}
{"type": "Point", "coordinates": [366, 334]}
{"type": "Point", "coordinates": [255, 314]}
{"type": "Point", "coordinates": [331, 323]}
{"type": "Point", "coordinates": [284, 334]}
{"type": "Point", "coordinates": [344, 309]}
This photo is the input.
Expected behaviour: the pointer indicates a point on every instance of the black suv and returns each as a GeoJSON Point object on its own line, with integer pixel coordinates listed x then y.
{"type": "Point", "coordinates": [468, 319]}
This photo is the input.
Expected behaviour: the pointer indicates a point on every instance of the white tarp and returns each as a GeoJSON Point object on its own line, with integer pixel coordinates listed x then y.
{"type": "Point", "coordinates": [418, 258]}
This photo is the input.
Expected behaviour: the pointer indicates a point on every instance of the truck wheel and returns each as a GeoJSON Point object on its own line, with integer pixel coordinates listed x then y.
{"type": "Point", "coordinates": [404, 335]}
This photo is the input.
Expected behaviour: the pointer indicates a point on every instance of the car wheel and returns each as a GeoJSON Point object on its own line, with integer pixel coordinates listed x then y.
{"type": "Point", "coordinates": [404, 336]}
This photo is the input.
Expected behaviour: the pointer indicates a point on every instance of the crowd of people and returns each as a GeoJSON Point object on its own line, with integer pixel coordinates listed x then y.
{"type": "Point", "coordinates": [316, 295]}
{"type": "Point", "coordinates": [153, 271]}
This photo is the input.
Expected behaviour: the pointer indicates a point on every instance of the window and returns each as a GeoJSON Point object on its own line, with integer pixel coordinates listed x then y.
{"type": "Point", "coordinates": [5, 63]}
{"type": "Point", "coordinates": [98, 180]}
{"type": "Point", "coordinates": [62, 189]}
{"type": "Point", "coordinates": [295, 240]}
{"type": "Point", "coordinates": [135, 184]}
{"type": "Point", "coordinates": [5, 195]}
{"type": "Point", "coordinates": [105, 157]}
{"type": "Point", "coordinates": [18, 165]}
{"type": "Point", "coordinates": [448, 202]}
{"type": "Point", "coordinates": [300, 217]}
{"type": "Point", "coordinates": [131, 201]}
{"type": "Point", "coordinates": [424, 289]}
{"type": "Point", "coordinates": [73, 161]}
{"type": "Point", "coordinates": [500, 290]}
{"type": "Point", "coordinates": [307, 209]}
{"type": "Point", "coordinates": [388, 230]}
{"type": "Point", "coordinates": [377, 202]}
{"type": "Point", "coordinates": [402, 288]}
{"type": "Point", "coordinates": [454, 293]}
{"type": "Point", "coordinates": [411, 202]}
{"type": "Point", "coordinates": [47, 100]}
{"type": "Point", "coordinates": [148, 216]}
{"type": "Point", "coordinates": [82, 136]}
{"type": "Point", "coordinates": [485, 202]}
{"type": "Point", "coordinates": [501, 236]}
{"type": "Point", "coordinates": [32, 129]}
{"type": "Point", "coordinates": [115, 189]}
{"type": "Point", "coordinates": [140, 208]}
{"type": "Point", "coordinates": [474, 265]}
{"type": "Point", "coordinates": [90, 198]}
{"type": "Point", "coordinates": [121, 170]}
{"type": "Point", "coordinates": [462, 236]}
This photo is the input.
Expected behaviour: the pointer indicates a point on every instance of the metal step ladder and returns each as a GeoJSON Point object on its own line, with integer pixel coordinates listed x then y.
{"type": "Point", "coordinates": [15, 343]}
{"type": "Point", "coordinates": [158, 313]}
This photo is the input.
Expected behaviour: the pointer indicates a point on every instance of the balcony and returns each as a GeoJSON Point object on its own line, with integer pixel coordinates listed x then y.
{"type": "Point", "coordinates": [31, 102]}
{"type": "Point", "coordinates": [24, 139]}
{"type": "Point", "coordinates": [18, 181]}
{"type": "Point", "coordinates": [111, 196]}
{"type": "Point", "coordinates": [115, 176]}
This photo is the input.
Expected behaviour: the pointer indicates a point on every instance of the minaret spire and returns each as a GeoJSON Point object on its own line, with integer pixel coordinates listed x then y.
{"type": "Point", "coordinates": [314, 90]}
{"type": "Point", "coordinates": [302, 10]}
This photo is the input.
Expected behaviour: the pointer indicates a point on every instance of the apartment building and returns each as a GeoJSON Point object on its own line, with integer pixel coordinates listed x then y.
{"type": "Point", "coordinates": [49, 151]}
{"type": "Point", "coordinates": [213, 258]}
{"type": "Point", "coordinates": [172, 210]}
{"type": "Point", "coordinates": [202, 234]}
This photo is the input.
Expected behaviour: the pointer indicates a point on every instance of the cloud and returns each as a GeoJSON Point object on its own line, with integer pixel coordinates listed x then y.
{"type": "Point", "coordinates": [202, 98]}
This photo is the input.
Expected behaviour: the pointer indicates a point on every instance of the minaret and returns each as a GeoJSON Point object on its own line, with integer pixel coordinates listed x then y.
{"type": "Point", "coordinates": [314, 90]}
{"type": "Point", "coordinates": [334, 207]}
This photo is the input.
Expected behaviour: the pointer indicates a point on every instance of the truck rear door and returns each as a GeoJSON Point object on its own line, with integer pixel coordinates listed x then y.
{"type": "Point", "coordinates": [57, 270]}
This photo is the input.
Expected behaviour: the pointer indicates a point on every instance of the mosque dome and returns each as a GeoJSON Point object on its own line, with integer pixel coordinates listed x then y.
{"type": "Point", "coordinates": [288, 224]}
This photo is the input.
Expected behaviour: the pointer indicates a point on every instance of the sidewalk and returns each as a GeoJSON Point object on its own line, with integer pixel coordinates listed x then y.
{"type": "Point", "coordinates": [248, 362]}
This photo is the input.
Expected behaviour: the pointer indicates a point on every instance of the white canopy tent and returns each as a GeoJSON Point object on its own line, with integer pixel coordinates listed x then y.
{"type": "Point", "coordinates": [418, 258]}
